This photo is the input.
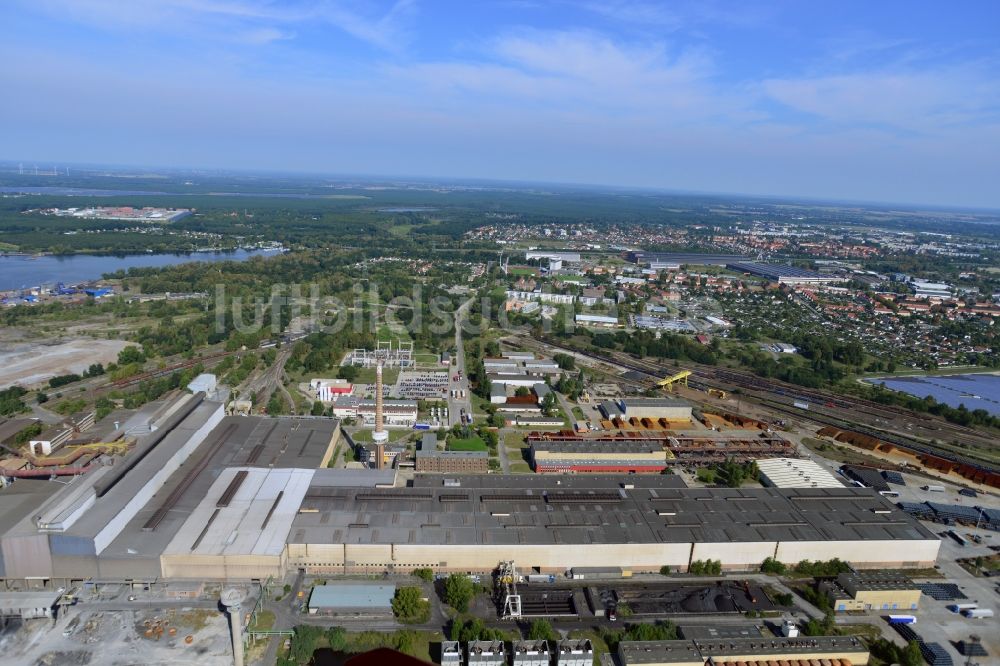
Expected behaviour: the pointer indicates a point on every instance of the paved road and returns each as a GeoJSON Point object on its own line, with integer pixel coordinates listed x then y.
{"type": "Point", "coordinates": [286, 616]}
{"type": "Point", "coordinates": [502, 450]}
{"type": "Point", "coordinates": [567, 408]}
{"type": "Point", "coordinates": [456, 405]}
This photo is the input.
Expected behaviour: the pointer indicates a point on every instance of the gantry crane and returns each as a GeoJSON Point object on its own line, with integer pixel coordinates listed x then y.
{"type": "Point", "coordinates": [668, 382]}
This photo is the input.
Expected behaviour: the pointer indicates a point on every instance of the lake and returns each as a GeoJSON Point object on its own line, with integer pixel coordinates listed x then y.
{"type": "Point", "coordinates": [21, 272]}
{"type": "Point", "coordinates": [975, 390]}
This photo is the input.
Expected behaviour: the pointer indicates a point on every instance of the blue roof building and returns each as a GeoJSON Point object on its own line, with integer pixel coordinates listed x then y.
{"type": "Point", "coordinates": [348, 599]}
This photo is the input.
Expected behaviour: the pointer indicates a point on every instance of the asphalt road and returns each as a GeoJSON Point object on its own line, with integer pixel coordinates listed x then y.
{"type": "Point", "coordinates": [457, 404]}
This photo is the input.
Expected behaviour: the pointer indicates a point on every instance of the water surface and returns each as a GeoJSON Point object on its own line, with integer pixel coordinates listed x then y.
{"type": "Point", "coordinates": [22, 271]}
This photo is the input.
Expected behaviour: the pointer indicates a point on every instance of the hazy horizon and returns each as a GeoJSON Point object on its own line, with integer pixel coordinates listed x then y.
{"type": "Point", "coordinates": [889, 103]}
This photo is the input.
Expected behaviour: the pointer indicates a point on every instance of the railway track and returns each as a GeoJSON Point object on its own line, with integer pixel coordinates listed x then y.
{"type": "Point", "coordinates": [704, 377]}
{"type": "Point", "coordinates": [160, 372]}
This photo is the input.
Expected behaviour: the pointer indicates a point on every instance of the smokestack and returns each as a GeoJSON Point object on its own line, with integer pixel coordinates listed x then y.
{"type": "Point", "coordinates": [378, 398]}
{"type": "Point", "coordinates": [379, 436]}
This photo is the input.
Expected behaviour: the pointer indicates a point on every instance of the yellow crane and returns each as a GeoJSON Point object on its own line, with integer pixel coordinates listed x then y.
{"type": "Point", "coordinates": [668, 382]}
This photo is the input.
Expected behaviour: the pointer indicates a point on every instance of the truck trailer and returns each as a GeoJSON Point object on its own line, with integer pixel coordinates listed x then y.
{"type": "Point", "coordinates": [902, 619]}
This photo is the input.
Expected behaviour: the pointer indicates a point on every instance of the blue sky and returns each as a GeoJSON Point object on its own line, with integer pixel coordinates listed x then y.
{"type": "Point", "coordinates": [878, 101]}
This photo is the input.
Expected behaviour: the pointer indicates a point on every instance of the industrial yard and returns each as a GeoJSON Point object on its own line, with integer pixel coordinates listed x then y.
{"type": "Point", "coordinates": [119, 638]}
{"type": "Point", "coordinates": [34, 363]}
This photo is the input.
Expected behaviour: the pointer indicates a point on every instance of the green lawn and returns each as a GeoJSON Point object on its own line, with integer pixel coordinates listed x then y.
{"type": "Point", "coordinates": [367, 376]}
{"type": "Point", "coordinates": [520, 468]}
{"type": "Point", "coordinates": [514, 440]}
{"type": "Point", "coordinates": [265, 620]}
{"type": "Point", "coordinates": [470, 444]}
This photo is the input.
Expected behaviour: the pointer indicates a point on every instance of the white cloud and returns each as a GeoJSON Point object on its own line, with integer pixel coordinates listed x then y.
{"type": "Point", "coordinates": [925, 100]}
{"type": "Point", "coordinates": [250, 21]}
{"type": "Point", "coordinates": [575, 72]}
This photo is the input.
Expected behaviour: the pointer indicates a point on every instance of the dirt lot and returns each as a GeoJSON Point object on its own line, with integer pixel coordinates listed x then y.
{"type": "Point", "coordinates": [31, 364]}
{"type": "Point", "coordinates": [118, 639]}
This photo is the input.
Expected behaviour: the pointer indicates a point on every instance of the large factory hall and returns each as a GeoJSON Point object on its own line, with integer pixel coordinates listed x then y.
{"type": "Point", "coordinates": [202, 495]}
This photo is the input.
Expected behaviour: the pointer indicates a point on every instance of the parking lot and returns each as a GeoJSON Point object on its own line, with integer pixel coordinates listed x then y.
{"type": "Point", "coordinates": [413, 385]}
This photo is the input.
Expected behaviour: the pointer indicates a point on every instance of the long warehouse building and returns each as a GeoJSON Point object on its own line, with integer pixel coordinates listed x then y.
{"type": "Point", "coordinates": [552, 524]}
{"type": "Point", "coordinates": [212, 497]}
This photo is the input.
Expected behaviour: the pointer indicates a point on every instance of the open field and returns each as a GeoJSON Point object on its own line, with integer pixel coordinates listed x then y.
{"type": "Point", "coordinates": [31, 364]}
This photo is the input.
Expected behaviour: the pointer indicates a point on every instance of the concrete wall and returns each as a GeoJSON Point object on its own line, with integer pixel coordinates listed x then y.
{"type": "Point", "coordinates": [27, 556]}
{"type": "Point", "coordinates": [550, 559]}
{"type": "Point", "coordinates": [558, 558]}
{"type": "Point", "coordinates": [863, 554]}
{"type": "Point", "coordinates": [735, 556]}
{"type": "Point", "coordinates": [222, 567]}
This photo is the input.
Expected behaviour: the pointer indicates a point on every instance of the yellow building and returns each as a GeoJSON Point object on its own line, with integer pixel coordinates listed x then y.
{"type": "Point", "coordinates": [872, 592]}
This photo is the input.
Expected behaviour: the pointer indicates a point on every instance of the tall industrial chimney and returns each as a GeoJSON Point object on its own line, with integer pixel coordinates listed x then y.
{"type": "Point", "coordinates": [379, 436]}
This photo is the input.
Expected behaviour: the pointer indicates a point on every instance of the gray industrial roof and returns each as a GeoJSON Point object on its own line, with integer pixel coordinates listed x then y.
{"type": "Point", "coordinates": [654, 402]}
{"type": "Point", "coordinates": [10, 427]}
{"type": "Point", "coordinates": [652, 652]}
{"type": "Point", "coordinates": [245, 441]}
{"type": "Point", "coordinates": [582, 510]}
{"type": "Point", "coordinates": [775, 271]}
{"type": "Point", "coordinates": [11, 603]}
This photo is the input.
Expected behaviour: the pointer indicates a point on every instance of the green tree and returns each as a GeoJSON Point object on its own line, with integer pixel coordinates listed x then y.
{"type": "Point", "coordinates": [910, 655]}
{"type": "Point", "coordinates": [565, 361]}
{"type": "Point", "coordinates": [458, 592]}
{"type": "Point", "coordinates": [131, 354]}
{"type": "Point", "coordinates": [409, 605]}
{"type": "Point", "coordinates": [317, 408]}
{"type": "Point", "coordinates": [424, 574]}
{"type": "Point", "coordinates": [304, 643]}
{"type": "Point", "coordinates": [541, 630]}
{"type": "Point", "coordinates": [275, 405]}
{"type": "Point", "coordinates": [665, 570]}
{"type": "Point", "coordinates": [773, 567]}
{"type": "Point", "coordinates": [336, 637]}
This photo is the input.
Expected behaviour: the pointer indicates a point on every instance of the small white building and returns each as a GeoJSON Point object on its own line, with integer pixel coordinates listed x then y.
{"type": "Point", "coordinates": [596, 320]}
{"type": "Point", "coordinates": [328, 390]}
{"type": "Point", "coordinates": [205, 382]}
{"type": "Point", "coordinates": [795, 473]}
